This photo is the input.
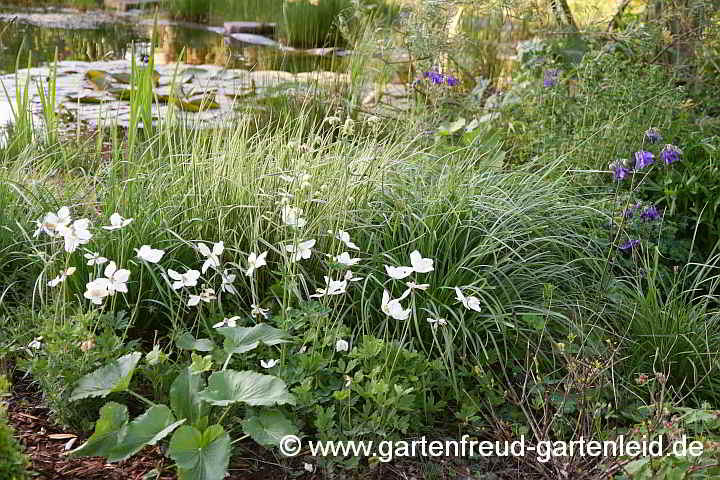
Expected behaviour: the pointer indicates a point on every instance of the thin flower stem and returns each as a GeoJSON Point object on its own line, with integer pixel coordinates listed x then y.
{"type": "Point", "coordinates": [140, 397]}
{"type": "Point", "coordinates": [227, 409]}
{"type": "Point", "coordinates": [240, 439]}
{"type": "Point", "coordinates": [227, 361]}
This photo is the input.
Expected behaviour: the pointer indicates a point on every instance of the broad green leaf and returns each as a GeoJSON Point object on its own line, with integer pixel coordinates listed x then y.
{"type": "Point", "coordinates": [229, 386]}
{"type": "Point", "coordinates": [200, 455]}
{"type": "Point", "coordinates": [244, 339]}
{"type": "Point", "coordinates": [188, 342]}
{"type": "Point", "coordinates": [147, 429]}
{"type": "Point", "coordinates": [268, 427]}
{"type": "Point", "coordinates": [109, 430]}
{"type": "Point", "coordinates": [184, 396]}
{"type": "Point", "coordinates": [114, 377]}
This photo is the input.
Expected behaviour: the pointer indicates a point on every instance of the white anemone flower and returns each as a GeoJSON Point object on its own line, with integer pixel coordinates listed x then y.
{"type": "Point", "coordinates": [301, 250]}
{"type": "Point", "coordinates": [212, 257]}
{"type": "Point", "coordinates": [398, 273]}
{"type": "Point", "coordinates": [36, 344]}
{"type": "Point", "coordinates": [150, 255]}
{"type": "Point", "coordinates": [293, 216]}
{"type": "Point", "coordinates": [207, 295]}
{"type": "Point", "coordinates": [345, 259]}
{"type": "Point", "coordinates": [393, 308]}
{"type": "Point", "coordinates": [437, 322]}
{"type": "Point", "coordinates": [117, 222]}
{"type": "Point", "coordinates": [118, 278]}
{"type": "Point", "coordinates": [420, 264]}
{"type": "Point", "coordinates": [227, 322]}
{"type": "Point", "coordinates": [258, 311]}
{"type": "Point", "coordinates": [255, 261]}
{"type": "Point", "coordinates": [345, 238]}
{"type": "Point", "coordinates": [227, 282]}
{"type": "Point", "coordinates": [51, 221]}
{"type": "Point", "coordinates": [333, 287]}
{"type": "Point", "coordinates": [76, 234]}
{"type": "Point", "coordinates": [97, 290]}
{"type": "Point", "coordinates": [94, 258]}
{"type": "Point", "coordinates": [350, 277]}
{"type": "Point", "coordinates": [61, 278]}
{"type": "Point", "coordinates": [187, 279]}
{"type": "Point", "coordinates": [342, 346]}
{"type": "Point", "coordinates": [471, 303]}
{"type": "Point", "coordinates": [269, 363]}
{"type": "Point", "coordinates": [417, 286]}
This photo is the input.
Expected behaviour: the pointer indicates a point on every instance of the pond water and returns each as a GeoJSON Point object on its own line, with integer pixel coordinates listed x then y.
{"type": "Point", "coordinates": [96, 36]}
{"type": "Point", "coordinates": [247, 62]}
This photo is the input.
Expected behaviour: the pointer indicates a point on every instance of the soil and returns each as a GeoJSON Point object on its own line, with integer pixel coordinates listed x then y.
{"type": "Point", "coordinates": [45, 444]}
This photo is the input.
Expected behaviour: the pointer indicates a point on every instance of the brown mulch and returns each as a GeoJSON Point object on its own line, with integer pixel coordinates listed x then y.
{"type": "Point", "coordinates": [45, 442]}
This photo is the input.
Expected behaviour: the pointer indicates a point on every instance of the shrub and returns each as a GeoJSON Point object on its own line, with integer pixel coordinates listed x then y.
{"type": "Point", "coordinates": [13, 463]}
{"type": "Point", "coordinates": [68, 349]}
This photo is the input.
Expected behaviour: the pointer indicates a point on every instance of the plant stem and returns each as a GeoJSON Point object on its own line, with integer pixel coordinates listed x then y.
{"type": "Point", "coordinates": [140, 397]}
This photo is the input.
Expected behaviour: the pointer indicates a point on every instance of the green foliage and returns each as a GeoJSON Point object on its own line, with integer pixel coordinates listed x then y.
{"type": "Point", "coordinates": [69, 350]}
{"type": "Point", "coordinates": [111, 378]}
{"type": "Point", "coordinates": [201, 452]}
{"type": "Point", "coordinates": [689, 189]}
{"type": "Point", "coordinates": [594, 114]}
{"type": "Point", "coordinates": [197, 10]}
{"type": "Point", "coordinates": [13, 462]}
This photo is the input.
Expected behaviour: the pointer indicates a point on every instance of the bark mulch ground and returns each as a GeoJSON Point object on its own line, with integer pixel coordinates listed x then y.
{"type": "Point", "coordinates": [47, 446]}
{"type": "Point", "coordinates": [45, 443]}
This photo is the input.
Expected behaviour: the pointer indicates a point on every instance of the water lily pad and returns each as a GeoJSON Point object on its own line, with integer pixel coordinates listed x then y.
{"type": "Point", "coordinates": [91, 99]}
{"type": "Point", "coordinates": [121, 93]}
{"type": "Point", "coordinates": [122, 77]}
{"type": "Point", "coordinates": [252, 39]}
{"type": "Point", "coordinates": [99, 79]}
{"type": "Point", "coordinates": [197, 105]}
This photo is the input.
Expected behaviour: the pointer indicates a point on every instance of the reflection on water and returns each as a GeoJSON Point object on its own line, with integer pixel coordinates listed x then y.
{"type": "Point", "coordinates": [109, 42]}
{"type": "Point", "coordinates": [114, 41]}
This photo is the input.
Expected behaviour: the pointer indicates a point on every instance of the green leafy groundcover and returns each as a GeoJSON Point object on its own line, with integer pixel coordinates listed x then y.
{"type": "Point", "coordinates": [200, 451]}
{"type": "Point", "coordinates": [13, 463]}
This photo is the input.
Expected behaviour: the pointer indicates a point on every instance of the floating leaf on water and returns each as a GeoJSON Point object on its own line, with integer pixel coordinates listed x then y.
{"type": "Point", "coordinates": [121, 93]}
{"type": "Point", "coordinates": [194, 105]}
{"type": "Point", "coordinates": [91, 74]}
{"type": "Point", "coordinates": [86, 99]}
{"type": "Point", "coordinates": [235, 95]}
{"type": "Point", "coordinates": [122, 77]}
{"type": "Point", "coordinates": [194, 71]}
{"type": "Point", "coordinates": [99, 78]}
{"type": "Point", "coordinates": [252, 39]}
